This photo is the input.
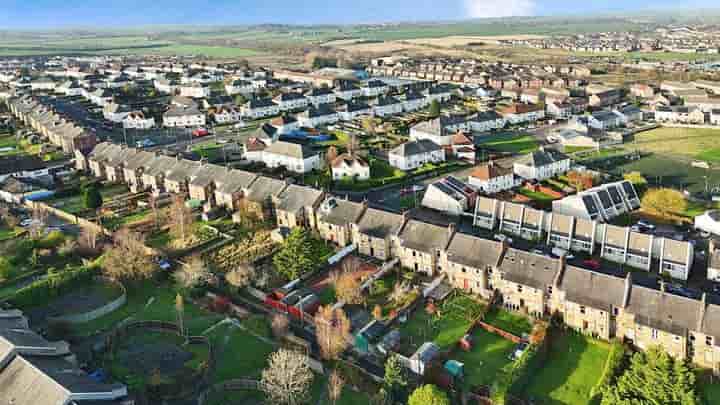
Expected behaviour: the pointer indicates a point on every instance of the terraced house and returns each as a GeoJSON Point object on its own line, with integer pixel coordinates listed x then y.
{"type": "Point", "coordinates": [593, 302]}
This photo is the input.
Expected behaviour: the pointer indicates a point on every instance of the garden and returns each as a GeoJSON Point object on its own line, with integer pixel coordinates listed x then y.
{"type": "Point", "coordinates": [571, 370]}
{"type": "Point", "coordinates": [444, 325]}
{"type": "Point", "coordinates": [500, 318]}
{"type": "Point", "coordinates": [507, 142]}
{"type": "Point", "coordinates": [488, 358]}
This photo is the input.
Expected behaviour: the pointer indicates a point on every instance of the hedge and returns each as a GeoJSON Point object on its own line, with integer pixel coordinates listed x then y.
{"type": "Point", "coordinates": [613, 366]}
{"type": "Point", "coordinates": [54, 285]}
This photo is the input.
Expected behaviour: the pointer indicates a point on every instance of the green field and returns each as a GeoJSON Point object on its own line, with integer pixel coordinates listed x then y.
{"type": "Point", "coordinates": [670, 171]}
{"type": "Point", "coordinates": [688, 143]}
{"type": "Point", "coordinates": [508, 142]}
{"type": "Point", "coordinates": [571, 370]}
{"type": "Point", "coordinates": [488, 358]}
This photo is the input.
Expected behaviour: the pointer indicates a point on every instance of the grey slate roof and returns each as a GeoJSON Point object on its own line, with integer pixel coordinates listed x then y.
{"type": "Point", "coordinates": [264, 188]}
{"type": "Point", "coordinates": [473, 251]}
{"type": "Point", "coordinates": [344, 212]}
{"type": "Point", "coordinates": [529, 269]}
{"type": "Point", "coordinates": [596, 290]}
{"type": "Point", "coordinates": [234, 180]}
{"type": "Point", "coordinates": [542, 158]}
{"type": "Point", "coordinates": [294, 198]}
{"type": "Point", "coordinates": [663, 311]}
{"type": "Point", "coordinates": [290, 149]}
{"type": "Point", "coordinates": [423, 237]}
{"type": "Point", "coordinates": [379, 224]}
{"type": "Point", "coordinates": [415, 148]}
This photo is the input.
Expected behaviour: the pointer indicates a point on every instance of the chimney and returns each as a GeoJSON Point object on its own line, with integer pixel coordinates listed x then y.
{"type": "Point", "coordinates": [628, 288]}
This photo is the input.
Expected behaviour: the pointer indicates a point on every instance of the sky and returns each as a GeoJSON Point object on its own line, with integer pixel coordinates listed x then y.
{"type": "Point", "coordinates": [19, 14]}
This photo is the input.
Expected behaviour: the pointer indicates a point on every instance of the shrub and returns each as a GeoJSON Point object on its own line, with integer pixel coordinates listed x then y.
{"type": "Point", "coordinates": [41, 291]}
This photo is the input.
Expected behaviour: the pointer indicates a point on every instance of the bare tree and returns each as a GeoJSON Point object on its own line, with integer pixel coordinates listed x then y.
{"type": "Point", "coordinates": [10, 220]}
{"type": "Point", "coordinates": [332, 331]}
{"type": "Point", "coordinates": [280, 324]}
{"type": "Point", "coordinates": [241, 276]}
{"type": "Point", "coordinates": [335, 386]}
{"type": "Point", "coordinates": [180, 217]}
{"type": "Point", "coordinates": [88, 238]}
{"type": "Point", "coordinates": [180, 310]}
{"type": "Point", "coordinates": [347, 289]}
{"type": "Point", "coordinates": [128, 259]}
{"type": "Point", "coordinates": [331, 155]}
{"type": "Point", "coordinates": [153, 202]}
{"type": "Point", "coordinates": [287, 378]}
{"type": "Point", "coordinates": [39, 221]}
{"type": "Point", "coordinates": [193, 273]}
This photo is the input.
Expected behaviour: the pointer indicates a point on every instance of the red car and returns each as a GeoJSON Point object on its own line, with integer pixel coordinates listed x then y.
{"type": "Point", "coordinates": [200, 132]}
{"type": "Point", "coordinates": [592, 263]}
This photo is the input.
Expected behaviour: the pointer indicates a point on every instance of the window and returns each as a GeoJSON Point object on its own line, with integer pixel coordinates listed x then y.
{"type": "Point", "coordinates": [519, 288]}
{"type": "Point", "coordinates": [464, 270]}
{"type": "Point", "coordinates": [582, 309]}
{"type": "Point", "coordinates": [654, 334]}
{"type": "Point", "coordinates": [615, 311]}
{"type": "Point", "coordinates": [708, 340]}
{"type": "Point", "coordinates": [549, 289]}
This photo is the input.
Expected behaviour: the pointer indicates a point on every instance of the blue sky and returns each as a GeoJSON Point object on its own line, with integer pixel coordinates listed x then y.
{"type": "Point", "coordinates": [115, 13]}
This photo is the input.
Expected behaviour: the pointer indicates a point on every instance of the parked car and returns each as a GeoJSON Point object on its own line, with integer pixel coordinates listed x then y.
{"type": "Point", "coordinates": [592, 263]}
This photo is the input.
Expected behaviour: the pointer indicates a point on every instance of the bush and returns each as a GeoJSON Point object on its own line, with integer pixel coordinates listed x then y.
{"type": "Point", "coordinates": [41, 291]}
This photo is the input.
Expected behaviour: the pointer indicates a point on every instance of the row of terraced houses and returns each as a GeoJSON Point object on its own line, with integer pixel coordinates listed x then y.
{"type": "Point", "coordinates": [593, 302]}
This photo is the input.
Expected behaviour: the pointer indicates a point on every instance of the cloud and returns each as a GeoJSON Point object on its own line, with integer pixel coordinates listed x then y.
{"type": "Point", "coordinates": [499, 8]}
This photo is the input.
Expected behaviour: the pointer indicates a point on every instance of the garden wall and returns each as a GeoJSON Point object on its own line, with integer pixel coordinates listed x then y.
{"type": "Point", "coordinates": [505, 334]}
{"type": "Point", "coordinates": [81, 222]}
{"type": "Point", "coordinates": [95, 313]}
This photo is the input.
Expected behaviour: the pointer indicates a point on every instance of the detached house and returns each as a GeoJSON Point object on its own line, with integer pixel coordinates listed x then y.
{"type": "Point", "coordinates": [349, 166]}
{"type": "Point", "coordinates": [492, 178]}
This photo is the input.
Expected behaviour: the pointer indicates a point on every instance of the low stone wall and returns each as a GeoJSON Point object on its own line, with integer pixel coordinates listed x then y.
{"type": "Point", "coordinates": [97, 312]}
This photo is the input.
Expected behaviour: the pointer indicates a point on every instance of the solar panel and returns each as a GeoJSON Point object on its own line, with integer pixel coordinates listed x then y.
{"type": "Point", "coordinates": [590, 204]}
{"type": "Point", "coordinates": [615, 195]}
{"type": "Point", "coordinates": [605, 199]}
{"type": "Point", "coordinates": [629, 190]}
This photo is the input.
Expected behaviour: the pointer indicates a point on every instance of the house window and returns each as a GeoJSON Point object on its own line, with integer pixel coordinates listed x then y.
{"type": "Point", "coordinates": [464, 270]}
{"type": "Point", "coordinates": [708, 340]}
{"type": "Point", "coordinates": [615, 311]}
{"type": "Point", "coordinates": [654, 334]}
{"type": "Point", "coordinates": [582, 309]}
{"type": "Point", "coordinates": [519, 288]}
{"type": "Point", "coordinates": [549, 290]}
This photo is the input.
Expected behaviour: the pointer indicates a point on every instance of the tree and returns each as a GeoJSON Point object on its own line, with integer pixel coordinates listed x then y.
{"type": "Point", "coordinates": [395, 379]}
{"type": "Point", "coordinates": [194, 273]}
{"type": "Point", "coordinates": [280, 325]}
{"type": "Point", "coordinates": [92, 199]}
{"type": "Point", "coordinates": [347, 289]}
{"type": "Point", "coordinates": [287, 378]}
{"type": "Point", "coordinates": [297, 255]}
{"type": "Point", "coordinates": [127, 259]}
{"type": "Point", "coordinates": [636, 178]}
{"type": "Point", "coordinates": [428, 395]}
{"type": "Point", "coordinates": [241, 276]}
{"type": "Point", "coordinates": [180, 217]}
{"type": "Point", "coordinates": [335, 386]}
{"type": "Point", "coordinates": [434, 109]}
{"type": "Point", "coordinates": [653, 377]}
{"type": "Point", "coordinates": [663, 202]}
{"type": "Point", "coordinates": [331, 155]}
{"type": "Point", "coordinates": [580, 180]}
{"type": "Point", "coordinates": [332, 331]}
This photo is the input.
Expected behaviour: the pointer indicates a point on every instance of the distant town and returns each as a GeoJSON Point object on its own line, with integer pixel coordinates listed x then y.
{"type": "Point", "coordinates": [401, 228]}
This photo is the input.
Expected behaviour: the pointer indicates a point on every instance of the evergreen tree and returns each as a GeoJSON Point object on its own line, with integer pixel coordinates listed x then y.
{"type": "Point", "coordinates": [92, 198]}
{"type": "Point", "coordinates": [297, 255]}
{"type": "Point", "coordinates": [653, 377]}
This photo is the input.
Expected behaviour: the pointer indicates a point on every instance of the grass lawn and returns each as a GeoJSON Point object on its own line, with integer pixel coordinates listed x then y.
{"type": "Point", "coordinates": [487, 359]}
{"type": "Point", "coordinates": [151, 301]}
{"type": "Point", "coordinates": [710, 392]}
{"type": "Point", "coordinates": [446, 327]}
{"type": "Point", "coordinates": [536, 195]}
{"type": "Point", "coordinates": [518, 325]}
{"type": "Point", "coordinates": [693, 143]}
{"type": "Point", "coordinates": [117, 222]}
{"type": "Point", "coordinates": [573, 149]}
{"type": "Point", "coordinates": [508, 142]}
{"type": "Point", "coordinates": [381, 173]}
{"type": "Point", "coordinates": [239, 353]}
{"type": "Point", "coordinates": [671, 170]}
{"type": "Point", "coordinates": [571, 370]}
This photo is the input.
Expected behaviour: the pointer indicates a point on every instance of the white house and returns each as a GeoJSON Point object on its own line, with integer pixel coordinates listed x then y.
{"type": "Point", "coordinates": [320, 95]}
{"type": "Point", "coordinates": [542, 164]}
{"type": "Point", "coordinates": [260, 108]}
{"type": "Point", "coordinates": [347, 91]}
{"type": "Point", "coordinates": [115, 112]}
{"type": "Point", "coordinates": [292, 156]}
{"type": "Point", "coordinates": [414, 154]}
{"type": "Point", "coordinates": [492, 178]}
{"type": "Point", "coordinates": [413, 101]}
{"type": "Point", "coordinates": [486, 121]}
{"type": "Point", "coordinates": [316, 116]}
{"type": "Point", "coordinates": [386, 106]}
{"type": "Point", "coordinates": [521, 113]}
{"type": "Point", "coordinates": [240, 86]}
{"type": "Point", "coordinates": [374, 88]}
{"type": "Point", "coordinates": [290, 101]}
{"type": "Point", "coordinates": [227, 115]}
{"type": "Point", "coordinates": [350, 166]}
{"type": "Point", "coordinates": [137, 120]}
{"type": "Point", "coordinates": [350, 111]}
{"type": "Point", "coordinates": [177, 116]}
{"type": "Point", "coordinates": [194, 90]}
